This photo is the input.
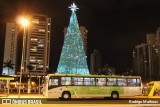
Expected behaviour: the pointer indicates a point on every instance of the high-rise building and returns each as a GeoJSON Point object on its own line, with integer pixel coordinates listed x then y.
{"type": "Point", "coordinates": [10, 49]}
{"type": "Point", "coordinates": [146, 59]}
{"type": "Point", "coordinates": [158, 49]}
{"type": "Point", "coordinates": [84, 32]}
{"type": "Point", "coordinates": [38, 43]}
{"type": "Point", "coordinates": [96, 62]}
{"type": "Point", "coordinates": [140, 60]}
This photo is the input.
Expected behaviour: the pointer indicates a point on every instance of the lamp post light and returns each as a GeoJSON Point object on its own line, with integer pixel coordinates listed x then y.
{"type": "Point", "coordinates": [24, 22]}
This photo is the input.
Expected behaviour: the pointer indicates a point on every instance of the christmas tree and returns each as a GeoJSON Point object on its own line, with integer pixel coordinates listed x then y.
{"type": "Point", "coordinates": [73, 59]}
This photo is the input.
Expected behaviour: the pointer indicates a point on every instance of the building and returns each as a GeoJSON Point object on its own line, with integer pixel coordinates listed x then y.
{"type": "Point", "coordinates": [146, 61]}
{"type": "Point", "coordinates": [10, 48]}
{"type": "Point", "coordinates": [96, 62]}
{"type": "Point", "coordinates": [158, 48]}
{"type": "Point", "coordinates": [38, 43]}
{"type": "Point", "coordinates": [84, 32]}
{"type": "Point", "coordinates": [141, 66]}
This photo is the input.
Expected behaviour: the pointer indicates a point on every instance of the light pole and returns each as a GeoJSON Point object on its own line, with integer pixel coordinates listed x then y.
{"type": "Point", "coordinates": [24, 23]}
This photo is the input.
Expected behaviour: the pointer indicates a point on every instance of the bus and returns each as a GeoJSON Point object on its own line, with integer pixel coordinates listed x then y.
{"type": "Point", "coordinates": [66, 86]}
{"type": "Point", "coordinates": [152, 89]}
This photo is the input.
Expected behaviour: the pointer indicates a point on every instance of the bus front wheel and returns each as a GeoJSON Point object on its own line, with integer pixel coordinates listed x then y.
{"type": "Point", "coordinates": [66, 95]}
{"type": "Point", "coordinates": [114, 95]}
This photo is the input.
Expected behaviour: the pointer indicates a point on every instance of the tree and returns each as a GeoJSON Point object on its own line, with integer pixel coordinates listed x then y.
{"type": "Point", "coordinates": [73, 58]}
{"type": "Point", "coordinates": [30, 68]}
{"type": "Point", "coordinates": [9, 65]}
{"type": "Point", "coordinates": [106, 70]}
{"type": "Point", "coordinates": [128, 71]}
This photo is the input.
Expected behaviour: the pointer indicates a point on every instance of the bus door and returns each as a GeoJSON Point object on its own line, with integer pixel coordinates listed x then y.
{"type": "Point", "coordinates": [134, 85]}
{"type": "Point", "coordinates": [53, 89]}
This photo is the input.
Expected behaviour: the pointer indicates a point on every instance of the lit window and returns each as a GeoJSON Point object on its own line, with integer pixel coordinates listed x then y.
{"type": "Point", "coordinates": [36, 21]}
{"type": "Point", "coordinates": [101, 81]}
{"type": "Point", "coordinates": [39, 60]}
{"type": "Point", "coordinates": [41, 45]}
{"type": "Point", "coordinates": [121, 82]}
{"type": "Point", "coordinates": [65, 80]}
{"type": "Point", "coordinates": [40, 66]}
{"type": "Point", "coordinates": [33, 50]}
{"type": "Point", "coordinates": [34, 39]}
{"type": "Point", "coordinates": [53, 82]}
{"type": "Point", "coordinates": [41, 41]}
{"type": "Point", "coordinates": [77, 81]}
{"type": "Point", "coordinates": [32, 60]}
{"type": "Point", "coordinates": [89, 81]}
{"type": "Point", "coordinates": [32, 57]}
{"type": "Point", "coordinates": [41, 30]}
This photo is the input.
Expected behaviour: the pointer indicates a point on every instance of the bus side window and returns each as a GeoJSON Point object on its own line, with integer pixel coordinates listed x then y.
{"type": "Point", "coordinates": [65, 80]}
{"type": "Point", "coordinates": [111, 82]}
{"type": "Point", "coordinates": [138, 82]}
{"type": "Point", "coordinates": [132, 82]}
{"type": "Point", "coordinates": [101, 81]}
{"type": "Point", "coordinates": [106, 81]}
{"type": "Point", "coordinates": [96, 80]}
{"type": "Point", "coordinates": [55, 81]}
{"type": "Point", "coordinates": [121, 82]}
{"type": "Point", "coordinates": [89, 81]}
{"type": "Point", "coordinates": [77, 80]}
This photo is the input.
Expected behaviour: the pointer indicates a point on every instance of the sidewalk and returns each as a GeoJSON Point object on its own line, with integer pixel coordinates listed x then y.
{"type": "Point", "coordinates": [23, 96]}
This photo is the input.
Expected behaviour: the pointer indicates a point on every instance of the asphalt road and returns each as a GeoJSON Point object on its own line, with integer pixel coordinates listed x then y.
{"type": "Point", "coordinates": [90, 102]}
{"type": "Point", "coordinates": [124, 101]}
{"type": "Point", "coordinates": [140, 101]}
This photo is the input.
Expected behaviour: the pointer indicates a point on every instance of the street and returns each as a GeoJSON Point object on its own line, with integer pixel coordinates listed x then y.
{"type": "Point", "coordinates": [140, 101]}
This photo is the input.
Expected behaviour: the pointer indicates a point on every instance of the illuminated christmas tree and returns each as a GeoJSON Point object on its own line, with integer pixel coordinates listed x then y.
{"type": "Point", "coordinates": [73, 59]}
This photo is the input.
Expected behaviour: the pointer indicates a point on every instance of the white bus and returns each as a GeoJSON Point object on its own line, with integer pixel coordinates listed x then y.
{"type": "Point", "coordinates": [66, 86]}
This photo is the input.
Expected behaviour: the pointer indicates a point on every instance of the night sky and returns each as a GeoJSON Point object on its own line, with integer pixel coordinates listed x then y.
{"type": "Point", "coordinates": [114, 26]}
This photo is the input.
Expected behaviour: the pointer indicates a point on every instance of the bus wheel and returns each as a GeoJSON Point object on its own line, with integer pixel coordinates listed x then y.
{"type": "Point", "coordinates": [66, 95]}
{"type": "Point", "coordinates": [114, 95]}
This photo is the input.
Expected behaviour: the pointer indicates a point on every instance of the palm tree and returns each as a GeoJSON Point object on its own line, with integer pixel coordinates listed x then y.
{"type": "Point", "coordinates": [30, 68]}
{"type": "Point", "coordinates": [8, 64]}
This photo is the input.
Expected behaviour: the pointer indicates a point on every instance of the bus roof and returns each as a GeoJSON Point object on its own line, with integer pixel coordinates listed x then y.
{"type": "Point", "coordinates": [106, 76]}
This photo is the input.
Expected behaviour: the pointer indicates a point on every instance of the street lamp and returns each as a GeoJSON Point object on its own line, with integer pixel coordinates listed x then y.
{"type": "Point", "coordinates": [24, 22]}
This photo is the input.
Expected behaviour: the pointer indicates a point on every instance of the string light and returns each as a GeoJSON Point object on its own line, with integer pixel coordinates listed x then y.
{"type": "Point", "coordinates": [73, 58]}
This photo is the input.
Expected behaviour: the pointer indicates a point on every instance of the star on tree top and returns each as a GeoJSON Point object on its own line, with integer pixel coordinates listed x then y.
{"type": "Point", "coordinates": [73, 7]}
